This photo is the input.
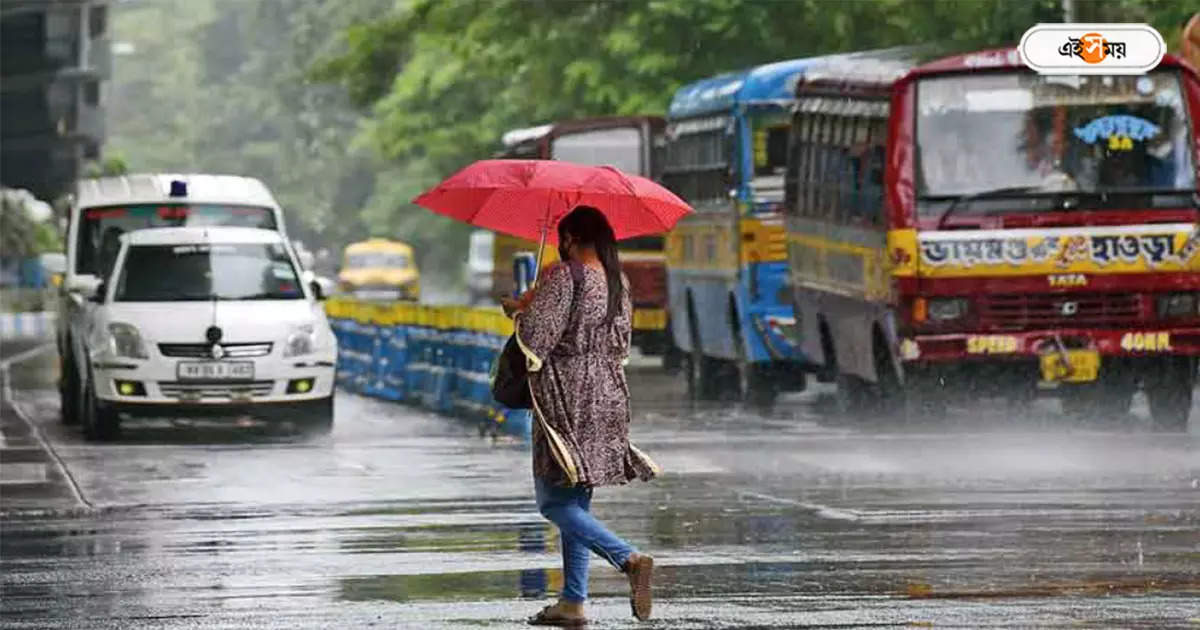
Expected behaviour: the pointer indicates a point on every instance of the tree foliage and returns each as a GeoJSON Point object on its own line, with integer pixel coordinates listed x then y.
{"type": "Point", "coordinates": [444, 78]}
{"type": "Point", "coordinates": [349, 108]}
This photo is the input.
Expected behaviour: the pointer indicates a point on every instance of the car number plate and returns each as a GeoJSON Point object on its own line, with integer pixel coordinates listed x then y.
{"type": "Point", "coordinates": [215, 370]}
{"type": "Point", "coordinates": [1081, 366]}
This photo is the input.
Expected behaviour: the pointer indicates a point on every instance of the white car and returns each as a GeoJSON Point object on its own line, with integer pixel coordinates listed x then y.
{"type": "Point", "coordinates": [212, 321]}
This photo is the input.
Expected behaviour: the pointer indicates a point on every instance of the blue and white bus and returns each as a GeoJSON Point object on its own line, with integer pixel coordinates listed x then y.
{"type": "Point", "coordinates": [729, 300]}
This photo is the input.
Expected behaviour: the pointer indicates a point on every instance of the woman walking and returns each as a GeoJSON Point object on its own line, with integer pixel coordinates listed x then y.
{"type": "Point", "coordinates": [574, 330]}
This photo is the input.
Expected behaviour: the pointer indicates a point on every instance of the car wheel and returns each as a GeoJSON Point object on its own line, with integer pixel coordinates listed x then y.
{"type": "Point", "coordinates": [319, 416]}
{"type": "Point", "coordinates": [100, 422]}
{"type": "Point", "coordinates": [1169, 392]}
{"type": "Point", "coordinates": [68, 393]}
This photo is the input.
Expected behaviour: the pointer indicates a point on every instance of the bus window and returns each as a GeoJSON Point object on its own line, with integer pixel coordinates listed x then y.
{"type": "Point", "coordinates": [697, 166]}
{"type": "Point", "coordinates": [873, 182]}
{"type": "Point", "coordinates": [769, 142]}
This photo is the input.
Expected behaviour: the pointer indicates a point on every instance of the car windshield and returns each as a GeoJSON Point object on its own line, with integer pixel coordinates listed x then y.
{"type": "Point", "coordinates": [100, 229]}
{"type": "Point", "coordinates": [226, 271]}
{"type": "Point", "coordinates": [1051, 134]}
{"type": "Point", "coordinates": [377, 259]}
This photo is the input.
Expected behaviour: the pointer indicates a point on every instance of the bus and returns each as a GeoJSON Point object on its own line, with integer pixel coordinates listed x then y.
{"type": "Point", "coordinates": [729, 299]}
{"type": "Point", "coordinates": [966, 226]}
{"type": "Point", "coordinates": [632, 144]}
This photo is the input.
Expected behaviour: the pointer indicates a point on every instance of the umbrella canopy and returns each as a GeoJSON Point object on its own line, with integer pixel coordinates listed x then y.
{"type": "Point", "coordinates": [527, 198]}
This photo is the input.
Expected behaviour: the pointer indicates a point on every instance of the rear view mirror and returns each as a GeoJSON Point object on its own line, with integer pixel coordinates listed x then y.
{"type": "Point", "coordinates": [84, 285]}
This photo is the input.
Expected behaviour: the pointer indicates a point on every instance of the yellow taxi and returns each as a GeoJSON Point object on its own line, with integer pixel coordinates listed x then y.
{"type": "Point", "coordinates": [380, 269]}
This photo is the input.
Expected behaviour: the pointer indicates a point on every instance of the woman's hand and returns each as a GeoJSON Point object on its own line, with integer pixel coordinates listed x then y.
{"type": "Point", "coordinates": [512, 306]}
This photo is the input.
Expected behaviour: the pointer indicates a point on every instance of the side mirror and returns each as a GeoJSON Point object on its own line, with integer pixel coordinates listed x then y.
{"type": "Point", "coordinates": [84, 285]}
{"type": "Point", "coordinates": [317, 291]}
{"type": "Point", "coordinates": [98, 294]}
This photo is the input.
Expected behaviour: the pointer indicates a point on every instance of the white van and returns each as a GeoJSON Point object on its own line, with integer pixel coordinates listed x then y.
{"type": "Point", "coordinates": [206, 321]}
{"type": "Point", "coordinates": [102, 209]}
{"type": "Point", "coordinates": [479, 266]}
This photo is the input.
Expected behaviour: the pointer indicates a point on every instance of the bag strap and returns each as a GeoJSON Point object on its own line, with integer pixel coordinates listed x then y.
{"type": "Point", "coordinates": [576, 297]}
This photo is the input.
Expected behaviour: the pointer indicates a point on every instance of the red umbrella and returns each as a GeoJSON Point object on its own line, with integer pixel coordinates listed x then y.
{"type": "Point", "coordinates": [527, 198]}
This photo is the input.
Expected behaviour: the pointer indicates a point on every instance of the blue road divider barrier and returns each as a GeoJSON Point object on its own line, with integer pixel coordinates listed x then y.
{"type": "Point", "coordinates": [435, 357]}
{"type": "Point", "coordinates": [35, 325]}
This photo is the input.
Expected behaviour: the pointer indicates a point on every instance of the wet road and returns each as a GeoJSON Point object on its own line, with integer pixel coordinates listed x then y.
{"type": "Point", "coordinates": [403, 519]}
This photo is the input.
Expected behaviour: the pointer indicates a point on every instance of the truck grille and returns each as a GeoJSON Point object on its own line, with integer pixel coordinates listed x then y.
{"type": "Point", "coordinates": [252, 389]}
{"type": "Point", "coordinates": [1018, 311]}
{"type": "Point", "coordinates": [647, 282]}
{"type": "Point", "coordinates": [204, 350]}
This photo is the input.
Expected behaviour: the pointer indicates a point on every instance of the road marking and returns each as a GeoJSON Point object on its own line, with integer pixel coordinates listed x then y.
{"type": "Point", "coordinates": [25, 473]}
{"type": "Point", "coordinates": [34, 429]}
{"type": "Point", "coordinates": [824, 511]}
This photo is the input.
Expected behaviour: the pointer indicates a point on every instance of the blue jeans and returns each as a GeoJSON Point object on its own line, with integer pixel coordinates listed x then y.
{"type": "Point", "coordinates": [579, 533]}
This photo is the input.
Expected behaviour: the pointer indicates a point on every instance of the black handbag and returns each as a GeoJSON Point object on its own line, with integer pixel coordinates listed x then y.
{"type": "Point", "coordinates": [510, 372]}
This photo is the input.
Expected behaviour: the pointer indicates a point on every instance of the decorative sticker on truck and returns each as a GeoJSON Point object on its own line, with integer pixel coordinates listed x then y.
{"type": "Point", "coordinates": [1172, 247]}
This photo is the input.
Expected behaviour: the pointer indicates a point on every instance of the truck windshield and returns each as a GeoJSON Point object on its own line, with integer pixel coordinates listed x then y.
{"type": "Point", "coordinates": [235, 271]}
{"type": "Point", "coordinates": [100, 229]}
{"type": "Point", "coordinates": [620, 147]}
{"type": "Point", "coordinates": [1113, 135]}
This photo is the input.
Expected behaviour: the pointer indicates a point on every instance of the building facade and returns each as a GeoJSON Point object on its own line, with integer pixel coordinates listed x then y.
{"type": "Point", "coordinates": [54, 61]}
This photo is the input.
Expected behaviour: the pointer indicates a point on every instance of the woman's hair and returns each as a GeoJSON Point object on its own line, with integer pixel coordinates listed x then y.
{"type": "Point", "coordinates": [588, 226]}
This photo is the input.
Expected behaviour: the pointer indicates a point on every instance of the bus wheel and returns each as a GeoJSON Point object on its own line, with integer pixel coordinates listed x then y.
{"type": "Point", "coordinates": [1169, 392]}
{"type": "Point", "coordinates": [854, 396]}
{"type": "Point", "coordinates": [920, 398]}
{"type": "Point", "coordinates": [698, 369]}
{"type": "Point", "coordinates": [756, 382]}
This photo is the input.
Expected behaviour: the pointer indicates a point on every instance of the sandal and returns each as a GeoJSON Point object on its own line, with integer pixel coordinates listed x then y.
{"type": "Point", "coordinates": [640, 569]}
{"type": "Point", "coordinates": [552, 616]}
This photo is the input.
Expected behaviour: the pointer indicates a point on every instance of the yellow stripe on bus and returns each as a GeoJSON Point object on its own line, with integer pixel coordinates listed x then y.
{"type": "Point", "coordinates": [649, 319]}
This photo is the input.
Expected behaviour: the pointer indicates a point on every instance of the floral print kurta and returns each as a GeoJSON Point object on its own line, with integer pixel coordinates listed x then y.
{"type": "Point", "coordinates": [576, 373]}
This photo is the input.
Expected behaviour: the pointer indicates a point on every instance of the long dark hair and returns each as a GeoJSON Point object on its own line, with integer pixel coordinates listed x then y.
{"type": "Point", "coordinates": [588, 226]}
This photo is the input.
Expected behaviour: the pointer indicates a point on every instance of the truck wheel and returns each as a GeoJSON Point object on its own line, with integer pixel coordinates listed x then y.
{"type": "Point", "coordinates": [1169, 392]}
{"type": "Point", "coordinates": [68, 393]}
{"type": "Point", "coordinates": [100, 422]}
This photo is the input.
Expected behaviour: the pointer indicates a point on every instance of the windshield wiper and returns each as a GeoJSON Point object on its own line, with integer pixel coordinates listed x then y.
{"type": "Point", "coordinates": [1126, 191]}
{"type": "Point", "coordinates": [993, 193]}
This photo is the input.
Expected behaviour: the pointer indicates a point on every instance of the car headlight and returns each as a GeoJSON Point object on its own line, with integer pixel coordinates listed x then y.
{"type": "Point", "coordinates": [946, 309]}
{"type": "Point", "coordinates": [302, 341]}
{"type": "Point", "coordinates": [124, 340]}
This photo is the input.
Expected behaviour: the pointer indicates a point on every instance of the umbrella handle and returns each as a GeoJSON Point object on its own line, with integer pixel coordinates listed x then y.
{"type": "Point", "coordinates": [541, 247]}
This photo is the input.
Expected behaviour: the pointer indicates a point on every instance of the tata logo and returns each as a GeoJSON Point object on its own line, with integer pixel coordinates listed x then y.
{"type": "Point", "coordinates": [1067, 280]}
{"type": "Point", "coordinates": [1092, 48]}
{"type": "Point", "coordinates": [1068, 308]}
{"type": "Point", "coordinates": [217, 351]}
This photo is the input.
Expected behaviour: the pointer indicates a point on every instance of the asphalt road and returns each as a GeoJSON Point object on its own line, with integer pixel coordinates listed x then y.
{"type": "Point", "coordinates": [403, 519]}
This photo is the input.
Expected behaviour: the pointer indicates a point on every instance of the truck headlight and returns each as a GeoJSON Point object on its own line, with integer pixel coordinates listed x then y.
{"type": "Point", "coordinates": [124, 340]}
{"type": "Point", "coordinates": [1177, 305]}
{"type": "Point", "coordinates": [302, 341]}
{"type": "Point", "coordinates": [946, 309]}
